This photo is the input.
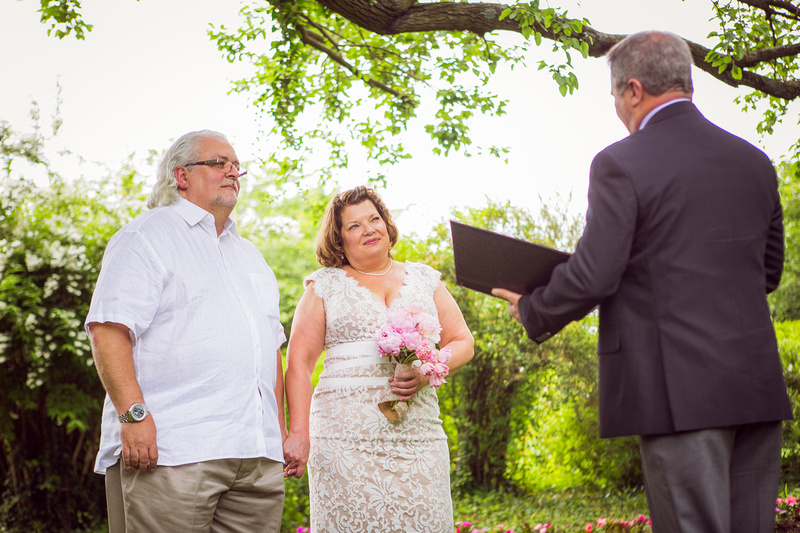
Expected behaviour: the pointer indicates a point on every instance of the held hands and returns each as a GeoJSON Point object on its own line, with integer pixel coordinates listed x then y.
{"type": "Point", "coordinates": [139, 448]}
{"type": "Point", "coordinates": [406, 383]}
{"type": "Point", "coordinates": [513, 300]}
{"type": "Point", "coordinates": [295, 455]}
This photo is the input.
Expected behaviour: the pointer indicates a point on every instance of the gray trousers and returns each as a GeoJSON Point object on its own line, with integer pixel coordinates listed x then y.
{"type": "Point", "coordinates": [721, 480]}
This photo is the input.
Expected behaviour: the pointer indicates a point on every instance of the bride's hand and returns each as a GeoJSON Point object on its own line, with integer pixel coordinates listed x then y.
{"type": "Point", "coordinates": [407, 382]}
{"type": "Point", "coordinates": [295, 455]}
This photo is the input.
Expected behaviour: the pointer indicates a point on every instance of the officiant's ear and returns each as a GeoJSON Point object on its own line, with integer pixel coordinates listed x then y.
{"type": "Point", "coordinates": [637, 91]}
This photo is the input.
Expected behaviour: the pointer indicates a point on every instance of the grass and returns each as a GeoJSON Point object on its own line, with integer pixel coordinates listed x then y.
{"type": "Point", "coordinates": [569, 510]}
{"type": "Point", "coordinates": [560, 511]}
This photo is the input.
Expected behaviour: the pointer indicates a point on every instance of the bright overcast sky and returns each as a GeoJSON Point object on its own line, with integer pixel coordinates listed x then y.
{"type": "Point", "coordinates": [148, 73]}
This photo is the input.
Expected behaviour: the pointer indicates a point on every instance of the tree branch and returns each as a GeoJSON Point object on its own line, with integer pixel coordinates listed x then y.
{"type": "Point", "coordinates": [768, 54]}
{"type": "Point", "coordinates": [770, 5]}
{"type": "Point", "coordinates": [390, 17]}
{"type": "Point", "coordinates": [787, 90]}
{"type": "Point", "coordinates": [316, 41]}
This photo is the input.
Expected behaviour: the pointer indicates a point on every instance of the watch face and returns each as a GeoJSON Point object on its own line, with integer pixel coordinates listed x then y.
{"type": "Point", "coordinates": [138, 412]}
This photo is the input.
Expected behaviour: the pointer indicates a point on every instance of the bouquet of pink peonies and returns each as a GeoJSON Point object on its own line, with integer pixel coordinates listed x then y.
{"type": "Point", "coordinates": [407, 337]}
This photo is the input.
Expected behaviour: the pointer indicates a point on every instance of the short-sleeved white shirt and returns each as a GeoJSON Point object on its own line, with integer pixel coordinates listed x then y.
{"type": "Point", "coordinates": [204, 320]}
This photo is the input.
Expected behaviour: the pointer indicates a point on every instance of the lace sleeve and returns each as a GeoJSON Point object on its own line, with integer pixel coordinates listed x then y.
{"type": "Point", "coordinates": [427, 275]}
{"type": "Point", "coordinates": [321, 279]}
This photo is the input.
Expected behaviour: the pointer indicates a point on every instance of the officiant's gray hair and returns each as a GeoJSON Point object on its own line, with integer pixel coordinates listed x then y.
{"type": "Point", "coordinates": [330, 245]}
{"type": "Point", "coordinates": [660, 60]}
{"type": "Point", "coordinates": [182, 152]}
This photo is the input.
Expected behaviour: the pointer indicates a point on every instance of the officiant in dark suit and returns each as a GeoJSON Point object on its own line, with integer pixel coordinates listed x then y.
{"type": "Point", "coordinates": [683, 241]}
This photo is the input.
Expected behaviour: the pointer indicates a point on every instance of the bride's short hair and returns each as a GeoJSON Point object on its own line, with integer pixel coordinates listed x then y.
{"type": "Point", "coordinates": [330, 246]}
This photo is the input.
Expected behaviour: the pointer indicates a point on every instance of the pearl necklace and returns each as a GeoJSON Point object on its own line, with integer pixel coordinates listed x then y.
{"type": "Point", "coordinates": [370, 273]}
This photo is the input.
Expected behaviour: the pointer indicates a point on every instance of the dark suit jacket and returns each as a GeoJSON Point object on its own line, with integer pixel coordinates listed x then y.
{"type": "Point", "coordinates": [683, 240]}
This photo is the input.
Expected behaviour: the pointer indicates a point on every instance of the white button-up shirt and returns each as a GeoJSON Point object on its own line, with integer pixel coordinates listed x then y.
{"type": "Point", "coordinates": [204, 320]}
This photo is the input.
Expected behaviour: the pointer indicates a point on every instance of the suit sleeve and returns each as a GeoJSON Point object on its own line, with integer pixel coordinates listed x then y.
{"type": "Point", "coordinates": [774, 255]}
{"type": "Point", "coordinates": [594, 271]}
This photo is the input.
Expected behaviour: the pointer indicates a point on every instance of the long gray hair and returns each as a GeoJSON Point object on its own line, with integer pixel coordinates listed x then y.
{"type": "Point", "coordinates": [660, 60]}
{"type": "Point", "coordinates": [182, 151]}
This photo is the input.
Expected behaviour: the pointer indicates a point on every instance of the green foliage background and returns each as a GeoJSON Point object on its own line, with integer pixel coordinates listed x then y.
{"type": "Point", "coordinates": [51, 243]}
{"type": "Point", "coordinates": [521, 419]}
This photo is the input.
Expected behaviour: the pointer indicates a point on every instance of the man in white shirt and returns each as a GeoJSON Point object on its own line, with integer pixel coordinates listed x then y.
{"type": "Point", "coordinates": [186, 336]}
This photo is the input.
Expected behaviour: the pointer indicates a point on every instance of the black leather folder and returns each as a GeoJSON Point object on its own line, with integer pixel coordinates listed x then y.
{"type": "Point", "coordinates": [485, 260]}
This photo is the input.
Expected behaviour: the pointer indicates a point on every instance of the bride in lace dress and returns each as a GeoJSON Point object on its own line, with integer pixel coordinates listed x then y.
{"type": "Point", "coordinates": [368, 471]}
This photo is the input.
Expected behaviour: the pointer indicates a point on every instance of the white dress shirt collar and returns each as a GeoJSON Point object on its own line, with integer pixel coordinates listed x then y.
{"type": "Point", "coordinates": [193, 214]}
{"type": "Point", "coordinates": [655, 110]}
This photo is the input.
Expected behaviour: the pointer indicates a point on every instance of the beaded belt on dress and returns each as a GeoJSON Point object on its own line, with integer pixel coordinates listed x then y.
{"type": "Point", "coordinates": [369, 351]}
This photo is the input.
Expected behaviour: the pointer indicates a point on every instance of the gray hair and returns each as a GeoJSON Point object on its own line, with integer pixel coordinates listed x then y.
{"type": "Point", "coordinates": [182, 152]}
{"type": "Point", "coordinates": [660, 60]}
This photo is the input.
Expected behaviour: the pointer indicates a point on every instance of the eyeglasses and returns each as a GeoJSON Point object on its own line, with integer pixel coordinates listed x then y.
{"type": "Point", "coordinates": [222, 164]}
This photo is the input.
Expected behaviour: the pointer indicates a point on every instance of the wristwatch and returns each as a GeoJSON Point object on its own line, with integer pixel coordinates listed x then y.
{"type": "Point", "coordinates": [136, 413]}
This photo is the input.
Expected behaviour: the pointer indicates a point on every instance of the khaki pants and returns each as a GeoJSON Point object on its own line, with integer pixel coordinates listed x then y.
{"type": "Point", "coordinates": [225, 495]}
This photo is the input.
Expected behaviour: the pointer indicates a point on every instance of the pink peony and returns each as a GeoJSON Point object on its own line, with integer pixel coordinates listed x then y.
{"type": "Point", "coordinates": [400, 319]}
{"type": "Point", "coordinates": [390, 342]}
{"type": "Point", "coordinates": [426, 369]}
{"type": "Point", "coordinates": [436, 381]}
{"type": "Point", "coordinates": [413, 340]}
{"type": "Point", "coordinates": [428, 325]}
{"type": "Point", "coordinates": [441, 369]}
{"type": "Point", "coordinates": [424, 352]}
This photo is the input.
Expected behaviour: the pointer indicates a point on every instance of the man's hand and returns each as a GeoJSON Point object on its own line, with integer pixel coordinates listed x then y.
{"type": "Point", "coordinates": [139, 449]}
{"type": "Point", "coordinates": [512, 298]}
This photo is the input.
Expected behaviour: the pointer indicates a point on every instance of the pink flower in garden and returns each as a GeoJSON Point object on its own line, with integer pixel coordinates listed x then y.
{"type": "Point", "coordinates": [791, 500]}
{"type": "Point", "coordinates": [601, 521]}
{"type": "Point", "coordinates": [588, 527]}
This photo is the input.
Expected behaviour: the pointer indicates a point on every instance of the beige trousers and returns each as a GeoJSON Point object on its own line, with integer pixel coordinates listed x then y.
{"type": "Point", "coordinates": [225, 495]}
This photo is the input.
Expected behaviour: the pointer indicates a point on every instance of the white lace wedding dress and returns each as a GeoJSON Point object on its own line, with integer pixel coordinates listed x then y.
{"type": "Point", "coordinates": [367, 473]}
